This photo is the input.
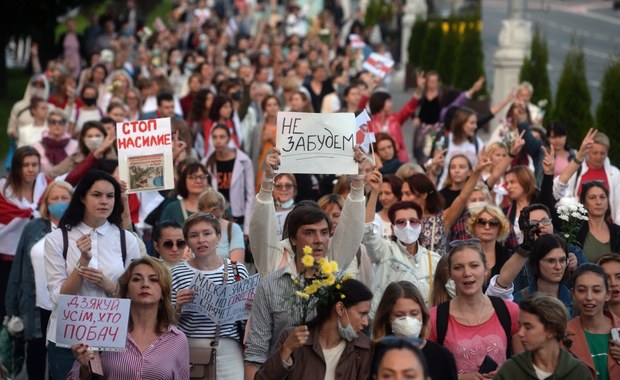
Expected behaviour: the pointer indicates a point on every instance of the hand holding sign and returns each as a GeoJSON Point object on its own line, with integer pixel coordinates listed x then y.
{"type": "Point", "coordinates": [272, 162]}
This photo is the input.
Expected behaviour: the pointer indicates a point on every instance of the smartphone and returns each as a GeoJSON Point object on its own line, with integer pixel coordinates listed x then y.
{"type": "Point", "coordinates": [615, 334]}
{"type": "Point", "coordinates": [488, 365]}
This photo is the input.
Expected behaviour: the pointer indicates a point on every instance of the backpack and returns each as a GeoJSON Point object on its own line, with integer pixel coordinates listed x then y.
{"type": "Point", "coordinates": [65, 244]}
{"type": "Point", "coordinates": [443, 312]}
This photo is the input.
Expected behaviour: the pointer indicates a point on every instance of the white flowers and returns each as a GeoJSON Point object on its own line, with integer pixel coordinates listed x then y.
{"type": "Point", "coordinates": [542, 103]}
{"type": "Point", "coordinates": [572, 214]}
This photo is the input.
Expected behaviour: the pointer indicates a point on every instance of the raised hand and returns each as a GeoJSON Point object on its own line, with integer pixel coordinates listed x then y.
{"type": "Point", "coordinates": [272, 162]}
{"type": "Point", "coordinates": [586, 144]}
{"type": "Point", "coordinates": [375, 179]}
{"type": "Point", "coordinates": [517, 144]}
{"type": "Point", "coordinates": [84, 245]}
{"type": "Point", "coordinates": [548, 162]}
{"type": "Point", "coordinates": [476, 86]}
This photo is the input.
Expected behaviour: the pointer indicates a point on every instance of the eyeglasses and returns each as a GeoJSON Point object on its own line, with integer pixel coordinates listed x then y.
{"type": "Point", "coordinates": [201, 177]}
{"type": "Point", "coordinates": [402, 223]}
{"type": "Point", "coordinates": [168, 244]}
{"type": "Point", "coordinates": [543, 222]}
{"type": "Point", "coordinates": [458, 243]}
{"type": "Point", "coordinates": [56, 122]}
{"type": "Point", "coordinates": [553, 262]}
{"type": "Point", "coordinates": [491, 223]}
{"type": "Point", "coordinates": [287, 186]}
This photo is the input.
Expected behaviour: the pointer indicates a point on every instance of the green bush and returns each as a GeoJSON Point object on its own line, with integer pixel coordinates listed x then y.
{"type": "Point", "coordinates": [431, 46]}
{"type": "Point", "coordinates": [608, 110]}
{"type": "Point", "coordinates": [416, 40]}
{"type": "Point", "coordinates": [573, 95]}
{"type": "Point", "coordinates": [449, 50]}
{"type": "Point", "coordinates": [534, 70]}
{"type": "Point", "coordinates": [470, 58]}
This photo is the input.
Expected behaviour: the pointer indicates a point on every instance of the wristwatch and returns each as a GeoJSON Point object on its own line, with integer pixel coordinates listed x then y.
{"type": "Point", "coordinates": [78, 266]}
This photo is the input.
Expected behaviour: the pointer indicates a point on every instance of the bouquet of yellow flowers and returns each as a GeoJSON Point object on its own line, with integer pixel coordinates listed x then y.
{"type": "Point", "coordinates": [311, 291]}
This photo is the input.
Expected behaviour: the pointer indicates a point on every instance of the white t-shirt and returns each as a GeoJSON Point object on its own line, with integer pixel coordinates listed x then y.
{"type": "Point", "coordinates": [332, 357]}
{"type": "Point", "coordinates": [43, 298]}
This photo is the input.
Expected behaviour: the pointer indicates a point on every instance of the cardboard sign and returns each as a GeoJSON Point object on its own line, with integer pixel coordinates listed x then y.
{"type": "Point", "coordinates": [99, 322]}
{"type": "Point", "coordinates": [316, 143]}
{"type": "Point", "coordinates": [145, 154]}
{"type": "Point", "coordinates": [378, 65]}
{"type": "Point", "coordinates": [222, 303]}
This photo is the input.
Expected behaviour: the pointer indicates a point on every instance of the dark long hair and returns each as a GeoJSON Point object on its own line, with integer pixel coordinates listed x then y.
{"type": "Point", "coordinates": [218, 102]}
{"type": "Point", "coordinates": [421, 184]}
{"type": "Point", "coordinates": [15, 180]}
{"type": "Point", "coordinates": [353, 291]}
{"type": "Point", "coordinates": [541, 247]}
{"type": "Point", "coordinates": [75, 213]}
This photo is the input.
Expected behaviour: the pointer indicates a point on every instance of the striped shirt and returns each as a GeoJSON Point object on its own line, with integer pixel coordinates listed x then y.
{"type": "Point", "coordinates": [164, 359]}
{"type": "Point", "coordinates": [192, 323]}
{"type": "Point", "coordinates": [272, 313]}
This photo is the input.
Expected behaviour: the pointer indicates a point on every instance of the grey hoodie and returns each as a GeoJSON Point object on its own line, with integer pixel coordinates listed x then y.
{"type": "Point", "coordinates": [520, 367]}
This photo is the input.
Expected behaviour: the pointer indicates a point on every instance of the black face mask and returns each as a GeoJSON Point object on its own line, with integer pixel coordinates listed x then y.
{"type": "Point", "coordinates": [236, 95]}
{"type": "Point", "coordinates": [89, 101]}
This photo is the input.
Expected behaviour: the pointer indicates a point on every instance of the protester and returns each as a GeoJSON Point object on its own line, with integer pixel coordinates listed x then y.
{"type": "Point", "coordinates": [611, 265]}
{"type": "Point", "coordinates": [399, 358]}
{"type": "Point", "coordinates": [27, 295]}
{"type": "Point", "coordinates": [402, 312]}
{"type": "Point", "coordinates": [542, 332]}
{"type": "Point", "coordinates": [192, 182]}
{"type": "Point", "coordinates": [168, 243]}
{"type": "Point", "coordinates": [203, 232]}
{"type": "Point", "coordinates": [155, 347]}
{"type": "Point", "coordinates": [598, 235]}
{"type": "Point", "coordinates": [389, 194]}
{"type": "Point", "coordinates": [336, 331]}
{"type": "Point", "coordinates": [97, 252]}
{"type": "Point", "coordinates": [55, 145]}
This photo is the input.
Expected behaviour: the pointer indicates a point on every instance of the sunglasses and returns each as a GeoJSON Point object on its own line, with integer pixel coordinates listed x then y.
{"type": "Point", "coordinates": [56, 122]}
{"type": "Point", "coordinates": [287, 186]}
{"type": "Point", "coordinates": [402, 223]}
{"type": "Point", "coordinates": [168, 244]}
{"type": "Point", "coordinates": [546, 221]}
{"type": "Point", "coordinates": [492, 223]}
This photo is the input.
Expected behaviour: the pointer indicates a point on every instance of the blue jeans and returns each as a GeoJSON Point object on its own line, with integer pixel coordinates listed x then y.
{"type": "Point", "coordinates": [60, 360]}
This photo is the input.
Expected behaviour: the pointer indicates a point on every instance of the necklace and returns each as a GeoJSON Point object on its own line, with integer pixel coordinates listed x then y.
{"type": "Point", "coordinates": [480, 316]}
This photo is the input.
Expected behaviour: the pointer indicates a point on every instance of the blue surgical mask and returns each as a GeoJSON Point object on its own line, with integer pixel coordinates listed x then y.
{"type": "Point", "coordinates": [287, 204]}
{"type": "Point", "coordinates": [347, 333]}
{"type": "Point", "coordinates": [57, 210]}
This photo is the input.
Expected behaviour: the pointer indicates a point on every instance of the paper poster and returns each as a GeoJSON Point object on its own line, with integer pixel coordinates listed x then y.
{"type": "Point", "coordinates": [99, 322]}
{"type": "Point", "coordinates": [145, 154]}
{"type": "Point", "coordinates": [222, 303]}
{"type": "Point", "coordinates": [316, 143]}
{"type": "Point", "coordinates": [356, 42]}
{"type": "Point", "coordinates": [378, 65]}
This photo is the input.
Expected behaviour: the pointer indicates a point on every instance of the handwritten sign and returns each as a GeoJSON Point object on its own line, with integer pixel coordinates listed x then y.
{"type": "Point", "coordinates": [316, 143]}
{"type": "Point", "coordinates": [99, 322]}
{"type": "Point", "coordinates": [378, 65]}
{"type": "Point", "coordinates": [219, 302]}
{"type": "Point", "coordinates": [145, 154]}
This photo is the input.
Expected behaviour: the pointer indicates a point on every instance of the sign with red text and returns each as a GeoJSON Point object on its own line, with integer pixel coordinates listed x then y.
{"type": "Point", "coordinates": [99, 322]}
{"type": "Point", "coordinates": [378, 65]}
{"type": "Point", "coordinates": [222, 303]}
{"type": "Point", "coordinates": [145, 154]}
{"type": "Point", "coordinates": [316, 143]}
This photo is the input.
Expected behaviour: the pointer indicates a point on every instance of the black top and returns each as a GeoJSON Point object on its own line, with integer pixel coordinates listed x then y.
{"type": "Point", "coordinates": [449, 196]}
{"type": "Point", "coordinates": [224, 177]}
{"type": "Point", "coordinates": [430, 110]}
{"type": "Point", "coordinates": [441, 364]}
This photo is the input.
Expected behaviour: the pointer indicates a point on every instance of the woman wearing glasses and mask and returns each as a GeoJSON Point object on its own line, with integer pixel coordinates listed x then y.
{"type": "Point", "coordinates": [168, 243]}
{"type": "Point", "coordinates": [192, 182]}
{"type": "Point", "coordinates": [401, 258]}
{"type": "Point", "coordinates": [490, 226]}
{"type": "Point", "coordinates": [599, 236]}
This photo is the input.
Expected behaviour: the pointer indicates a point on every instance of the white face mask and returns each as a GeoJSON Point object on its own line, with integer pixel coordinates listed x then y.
{"type": "Point", "coordinates": [93, 143]}
{"type": "Point", "coordinates": [408, 234]}
{"type": "Point", "coordinates": [407, 327]}
{"type": "Point", "coordinates": [450, 288]}
{"type": "Point", "coordinates": [475, 206]}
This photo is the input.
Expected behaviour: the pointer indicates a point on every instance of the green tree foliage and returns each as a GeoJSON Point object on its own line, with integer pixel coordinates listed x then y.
{"type": "Point", "coordinates": [431, 46]}
{"type": "Point", "coordinates": [470, 58]}
{"type": "Point", "coordinates": [449, 50]}
{"type": "Point", "coordinates": [416, 40]}
{"type": "Point", "coordinates": [573, 96]}
{"type": "Point", "coordinates": [534, 70]}
{"type": "Point", "coordinates": [608, 110]}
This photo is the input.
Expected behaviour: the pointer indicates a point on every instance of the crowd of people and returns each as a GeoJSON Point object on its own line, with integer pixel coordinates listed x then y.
{"type": "Point", "coordinates": [454, 259]}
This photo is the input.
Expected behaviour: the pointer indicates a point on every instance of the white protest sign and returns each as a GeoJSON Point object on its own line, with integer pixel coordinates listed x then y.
{"type": "Point", "coordinates": [219, 302]}
{"type": "Point", "coordinates": [145, 154]}
{"type": "Point", "coordinates": [101, 323]}
{"type": "Point", "coordinates": [378, 65]}
{"type": "Point", "coordinates": [356, 42]}
{"type": "Point", "coordinates": [316, 143]}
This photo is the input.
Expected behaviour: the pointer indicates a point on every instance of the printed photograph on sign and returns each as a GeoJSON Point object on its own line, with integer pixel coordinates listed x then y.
{"type": "Point", "coordinates": [146, 172]}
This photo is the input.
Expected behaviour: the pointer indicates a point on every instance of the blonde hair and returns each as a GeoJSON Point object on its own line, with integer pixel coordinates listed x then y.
{"type": "Point", "coordinates": [495, 212]}
{"type": "Point", "coordinates": [210, 199]}
{"type": "Point", "coordinates": [43, 209]}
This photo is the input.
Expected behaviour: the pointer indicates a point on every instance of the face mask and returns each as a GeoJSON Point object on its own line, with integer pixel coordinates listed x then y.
{"type": "Point", "coordinates": [266, 52]}
{"type": "Point", "coordinates": [127, 32]}
{"type": "Point", "coordinates": [93, 143]}
{"type": "Point", "coordinates": [155, 53]}
{"type": "Point", "coordinates": [234, 65]}
{"type": "Point", "coordinates": [450, 288]}
{"type": "Point", "coordinates": [407, 327]}
{"type": "Point", "coordinates": [89, 101]}
{"type": "Point", "coordinates": [287, 204]}
{"type": "Point", "coordinates": [245, 61]}
{"type": "Point", "coordinates": [189, 66]}
{"type": "Point", "coordinates": [408, 234]}
{"type": "Point", "coordinates": [474, 206]}
{"type": "Point", "coordinates": [347, 333]}
{"type": "Point", "coordinates": [57, 210]}
{"type": "Point", "coordinates": [178, 60]}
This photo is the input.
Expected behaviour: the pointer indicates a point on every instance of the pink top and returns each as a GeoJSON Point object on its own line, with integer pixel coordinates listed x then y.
{"type": "Point", "coordinates": [470, 344]}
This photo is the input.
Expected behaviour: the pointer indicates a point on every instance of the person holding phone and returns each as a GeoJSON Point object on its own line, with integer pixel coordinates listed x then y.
{"type": "Point", "coordinates": [542, 333]}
